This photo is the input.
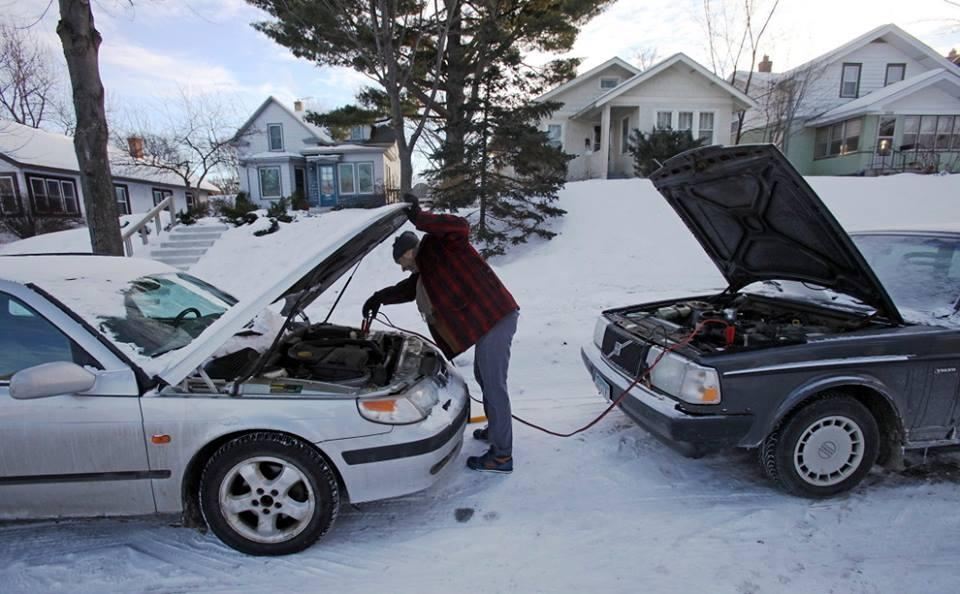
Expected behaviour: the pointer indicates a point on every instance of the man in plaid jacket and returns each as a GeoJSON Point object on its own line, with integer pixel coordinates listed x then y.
{"type": "Point", "coordinates": [464, 305]}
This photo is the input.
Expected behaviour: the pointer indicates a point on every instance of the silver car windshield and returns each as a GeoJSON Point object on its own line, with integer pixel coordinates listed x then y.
{"type": "Point", "coordinates": [920, 272]}
{"type": "Point", "coordinates": [165, 312]}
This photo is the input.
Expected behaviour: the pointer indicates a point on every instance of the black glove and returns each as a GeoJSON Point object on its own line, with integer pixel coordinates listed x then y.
{"type": "Point", "coordinates": [371, 306]}
{"type": "Point", "coordinates": [414, 205]}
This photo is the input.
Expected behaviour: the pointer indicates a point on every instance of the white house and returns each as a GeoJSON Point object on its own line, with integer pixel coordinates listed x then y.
{"type": "Point", "coordinates": [281, 153]}
{"type": "Point", "coordinates": [602, 107]}
{"type": "Point", "coordinates": [884, 101]}
{"type": "Point", "coordinates": [39, 174]}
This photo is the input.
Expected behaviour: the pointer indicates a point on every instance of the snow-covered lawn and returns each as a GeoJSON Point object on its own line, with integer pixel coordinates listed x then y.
{"type": "Point", "coordinates": [611, 510]}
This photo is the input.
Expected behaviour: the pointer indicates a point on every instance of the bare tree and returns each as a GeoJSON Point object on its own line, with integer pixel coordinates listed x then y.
{"type": "Point", "coordinates": [645, 57]}
{"type": "Point", "coordinates": [193, 141]}
{"type": "Point", "coordinates": [29, 87]}
{"type": "Point", "coordinates": [81, 47]}
{"type": "Point", "coordinates": [780, 102]}
{"type": "Point", "coordinates": [733, 36]}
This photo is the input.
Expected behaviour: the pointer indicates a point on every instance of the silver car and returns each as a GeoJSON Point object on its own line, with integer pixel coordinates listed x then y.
{"type": "Point", "coordinates": [127, 387]}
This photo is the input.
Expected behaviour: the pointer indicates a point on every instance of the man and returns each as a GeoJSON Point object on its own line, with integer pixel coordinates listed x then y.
{"type": "Point", "coordinates": [464, 305]}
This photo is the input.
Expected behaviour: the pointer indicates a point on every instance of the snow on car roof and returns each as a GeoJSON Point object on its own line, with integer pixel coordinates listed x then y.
{"type": "Point", "coordinates": [49, 270]}
{"type": "Point", "coordinates": [89, 285]}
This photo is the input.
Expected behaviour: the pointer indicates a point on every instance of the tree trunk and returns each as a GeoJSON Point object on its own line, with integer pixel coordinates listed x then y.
{"type": "Point", "coordinates": [81, 44]}
{"type": "Point", "coordinates": [455, 130]}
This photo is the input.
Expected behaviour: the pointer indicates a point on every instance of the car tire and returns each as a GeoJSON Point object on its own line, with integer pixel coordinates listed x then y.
{"type": "Point", "coordinates": [826, 448]}
{"type": "Point", "coordinates": [268, 494]}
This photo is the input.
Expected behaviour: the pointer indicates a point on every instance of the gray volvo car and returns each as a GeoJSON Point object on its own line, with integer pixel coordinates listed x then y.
{"type": "Point", "coordinates": [128, 387]}
{"type": "Point", "coordinates": [827, 352]}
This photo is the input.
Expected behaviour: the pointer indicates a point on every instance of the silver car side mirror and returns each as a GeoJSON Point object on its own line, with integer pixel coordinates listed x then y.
{"type": "Point", "coordinates": [50, 379]}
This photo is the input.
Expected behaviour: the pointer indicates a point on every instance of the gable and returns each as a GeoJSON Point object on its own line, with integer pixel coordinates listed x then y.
{"type": "Point", "coordinates": [933, 99]}
{"type": "Point", "coordinates": [679, 80]}
{"type": "Point", "coordinates": [580, 91]}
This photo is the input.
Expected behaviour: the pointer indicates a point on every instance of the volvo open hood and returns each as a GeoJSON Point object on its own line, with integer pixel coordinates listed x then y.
{"type": "Point", "coordinates": [759, 220]}
{"type": "Point", "coordinates": [309, 273]}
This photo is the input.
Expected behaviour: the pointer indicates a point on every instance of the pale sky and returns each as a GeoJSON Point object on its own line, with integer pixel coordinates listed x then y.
{"type": "Point", "coordinates": [152, 47]}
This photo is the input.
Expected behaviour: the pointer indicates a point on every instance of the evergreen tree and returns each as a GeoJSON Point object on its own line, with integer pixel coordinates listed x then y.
{"type": "Point", "coordinates": [652, 149]}
{"type": "Point", "coordinates": [508, 168]}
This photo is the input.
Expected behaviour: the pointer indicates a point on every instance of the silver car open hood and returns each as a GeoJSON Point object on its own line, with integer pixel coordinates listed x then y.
{"type": "Point", "coordinates": [758, 220]}
{"type": "Point", "coordinates": [310, 273]}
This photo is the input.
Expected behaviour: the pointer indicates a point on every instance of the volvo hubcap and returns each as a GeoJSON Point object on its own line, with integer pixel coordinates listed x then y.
{"type": "Point", "coordinates": [267, 500]}
{"type": "Point", "coordinates": [829, 451]}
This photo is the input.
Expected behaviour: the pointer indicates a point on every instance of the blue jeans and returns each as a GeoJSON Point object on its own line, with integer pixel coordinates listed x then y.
{"type": "Point", "coordinates": [491, 361]}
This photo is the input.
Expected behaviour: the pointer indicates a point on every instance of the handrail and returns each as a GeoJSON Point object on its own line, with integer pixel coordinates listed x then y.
{"type": "Point", "coordinates": [140, 227]}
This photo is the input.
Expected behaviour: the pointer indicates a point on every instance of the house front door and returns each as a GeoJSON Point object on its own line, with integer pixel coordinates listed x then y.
{"type": "Point", "coordinates": [328, 188]}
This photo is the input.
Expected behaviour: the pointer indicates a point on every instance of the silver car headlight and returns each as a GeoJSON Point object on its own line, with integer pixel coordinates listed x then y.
{"type": "Point", "coordinates": [684, 379]}
{"type": "Point", "coordinates": [411, 407]}
{"type": "Point", "coordinates": [599, 330]}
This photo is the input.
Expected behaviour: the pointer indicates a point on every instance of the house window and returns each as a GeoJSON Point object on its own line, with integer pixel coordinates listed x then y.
{"type": "Point", "coordinates": [685, 121]}
{"type": "Point", "coordinates": [275, 136]}
{"type": "Point", "coordinates": [365, 178]}
{"type": "Point", "coordinates": [358, 133]}
{"type": "Point", "coordinates": [54, 196]}
{"type": "Point", "coordinates": [609, 83]}
{"type": "Point", "coordinates": [625, 135]}
{"type": "Point", "coordinates": [9, 201]}
{"type": "Point", "coordinates": [270, 187]}
{"type": "Point", "coordinates": [885, 132]}
{"type": "Point", "coordinates": [839, 139]}
{"type": "Point", "coordinates": [160, 195]}
{"type": "Point", "coordinates": [705, 132]}
{"type": "Point", "coordinates": [347, 183]}
{"type": "Point", "coordinates": [664, 120]}
{"type": "Point", "coordinates": [554, 135]}
{"type": "Point", "coordinates": [944, 129]}
{"type": "Point", "coordinates": [122, 195]}
{"type": "Point", "coordinates": [189, 196]}
{"type": "Point", "coordinates": [850, 80]}
{"type": "Point", "coordinates": [930, 132]}
{"type": "Point", "coordinates": [597, 134]}
{"type": "Point", "coordinates": [895, 73]}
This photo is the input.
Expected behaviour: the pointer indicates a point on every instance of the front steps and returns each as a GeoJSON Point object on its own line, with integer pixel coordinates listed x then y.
{"type": "Point", "coordinates": [186, 244]}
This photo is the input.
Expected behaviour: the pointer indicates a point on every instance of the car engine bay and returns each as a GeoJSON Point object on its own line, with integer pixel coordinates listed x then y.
{"type": "Point", "coordinates": [328, 355]}
{"type": "Point", "coordinates": [737, 323]}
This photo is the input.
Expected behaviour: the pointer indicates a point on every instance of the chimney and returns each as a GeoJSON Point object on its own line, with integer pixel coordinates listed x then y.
{"type": "Point", "coordinates": [135, 145]}
{"type": "Point", "coordinates": [298, 106]}
{"type": "Point", "coordinates": [953, 56]}
{"type": "Point", "coordinates": [765, 64]}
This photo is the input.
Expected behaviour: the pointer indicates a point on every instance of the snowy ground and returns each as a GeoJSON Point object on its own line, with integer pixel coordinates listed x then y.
{"type": "Point", "coordinates": [611, 510]}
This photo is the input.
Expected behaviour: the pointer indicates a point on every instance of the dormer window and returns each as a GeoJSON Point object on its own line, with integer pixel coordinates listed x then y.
{"type": "Point", "coordinates": [850, 80]}
{"type": "Point", "coordinates": [275, 136]}
{"type": "Point", "coordinates": [609, 83]}
{"type": "Point", "coordinates": [895, 73]}
{"type": "Point", "coordinates": [358, 133]}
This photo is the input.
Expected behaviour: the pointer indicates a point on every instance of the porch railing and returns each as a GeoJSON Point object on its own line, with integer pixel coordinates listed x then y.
{"type": "Point", "coordinates": [141, 226]}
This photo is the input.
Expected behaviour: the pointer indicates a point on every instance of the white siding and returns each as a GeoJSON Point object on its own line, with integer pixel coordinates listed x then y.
{"type": "Point", "coordinates": [295, 133]}
{"type": "Point", "coordinates": [928, 101]}
{"type": "Point", "coordinates": [824, 90]}
{"type": "Point", "coordinates": [581, 94]}
{"type": "Point", "coordinates": [675, 89]}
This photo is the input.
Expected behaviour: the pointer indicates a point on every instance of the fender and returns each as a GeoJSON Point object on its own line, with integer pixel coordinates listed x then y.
{"type": "Point", "coordinates": [808, 390]}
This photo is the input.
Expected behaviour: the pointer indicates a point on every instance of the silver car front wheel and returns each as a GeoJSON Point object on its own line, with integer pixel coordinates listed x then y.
{"type": "Point", "coordinates": [268, 494]}
{"type": "Point", "coordinates": [825, 448]}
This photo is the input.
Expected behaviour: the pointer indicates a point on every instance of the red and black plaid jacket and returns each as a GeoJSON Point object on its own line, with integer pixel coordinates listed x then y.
{"type": "Point", "coordinates": [467, 297]}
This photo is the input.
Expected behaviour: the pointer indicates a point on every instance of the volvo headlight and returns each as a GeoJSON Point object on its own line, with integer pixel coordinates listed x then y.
{"type": "Point", "coordinates": [411, 407]}
{"type": "Point", "coordinates": [684, 379]}
{"type": "Point", "coordinates": [599, 330]}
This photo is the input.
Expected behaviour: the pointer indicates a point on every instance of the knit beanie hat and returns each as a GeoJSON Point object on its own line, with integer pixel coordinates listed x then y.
{"type": "Point", "coordinates": [405, 241]}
